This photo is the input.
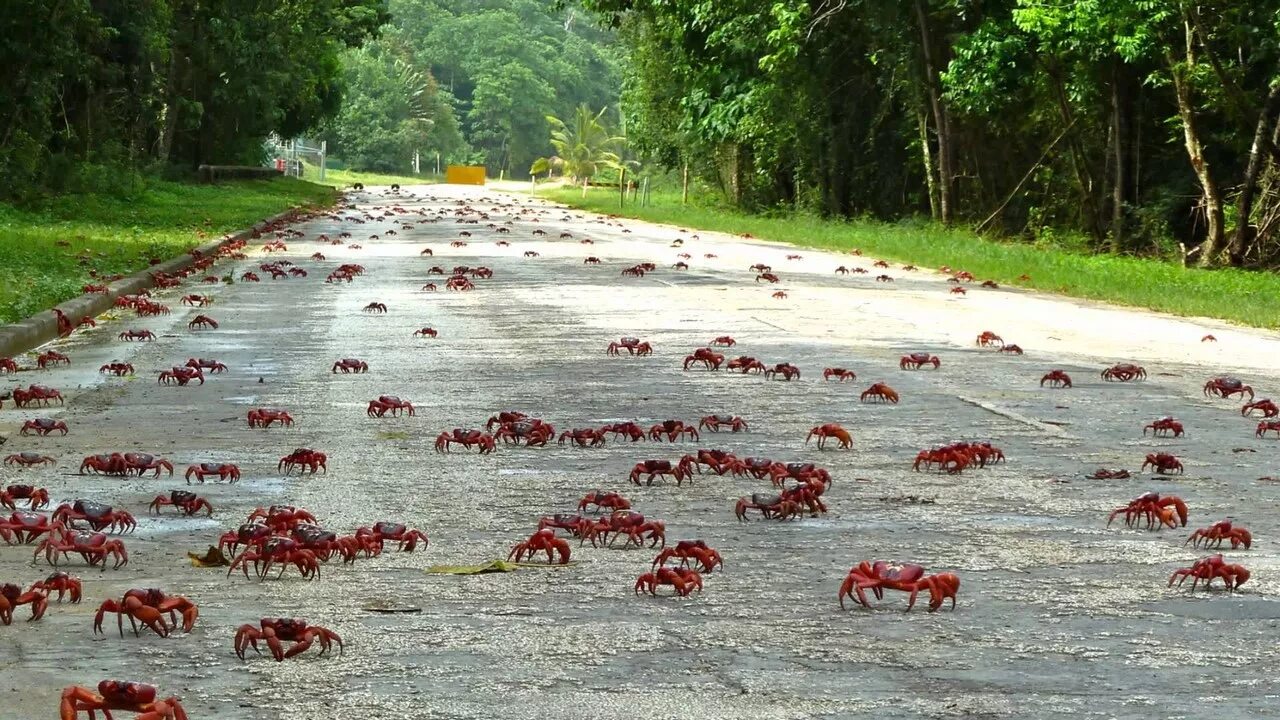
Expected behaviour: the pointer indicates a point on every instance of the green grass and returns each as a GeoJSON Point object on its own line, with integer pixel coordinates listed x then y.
{"type": "Point", "coordinates": [1245, 297]}
{"type": "Point", "coordinates": [112, 234]}
{"type": "Point", "coordinates": [347, 178]}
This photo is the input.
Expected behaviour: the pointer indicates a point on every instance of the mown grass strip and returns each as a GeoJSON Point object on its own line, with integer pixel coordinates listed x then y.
{"type": "Point", "coordinates": [46, 252]}
{"type": "Point", "coordinates": [1248, 298]}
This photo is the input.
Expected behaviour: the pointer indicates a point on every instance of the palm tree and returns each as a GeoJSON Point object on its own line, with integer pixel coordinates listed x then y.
{"type": "Point", "coordinates": [546, 165]}
{"type": "Point", "coordinates": [586, 147]}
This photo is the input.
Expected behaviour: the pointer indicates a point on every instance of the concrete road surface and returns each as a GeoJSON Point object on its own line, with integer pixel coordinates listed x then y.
{"type": "Point", "coordinates": [1058, 614]}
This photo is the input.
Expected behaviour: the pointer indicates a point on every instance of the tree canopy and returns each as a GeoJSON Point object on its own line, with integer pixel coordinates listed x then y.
{"type": "Point", "coordinates": [1133, 122]}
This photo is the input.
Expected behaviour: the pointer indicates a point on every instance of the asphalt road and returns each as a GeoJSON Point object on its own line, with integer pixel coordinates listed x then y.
{"type": "Point", "coordinates": [1057, 615]}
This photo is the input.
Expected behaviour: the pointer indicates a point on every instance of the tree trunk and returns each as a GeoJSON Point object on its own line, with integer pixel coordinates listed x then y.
{"type": "Point", "coordinates": [1214, 219]}
{"type": "Point", "coordinates": [1120, 123]}
{"type": "Point", "coordinates": [1258, 154]}
{"type": "Point", "coordinates": [927, 157]}
{"type": "Point", "coordinates": [941, 119]}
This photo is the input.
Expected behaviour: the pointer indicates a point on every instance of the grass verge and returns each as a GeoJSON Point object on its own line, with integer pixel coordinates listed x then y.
{"type": "Point", "coordinates": [1244, 297]}
{"type": "Point", "coordinates": [113, 234]}
{"type": "Point", "coordinates": [347, 178]}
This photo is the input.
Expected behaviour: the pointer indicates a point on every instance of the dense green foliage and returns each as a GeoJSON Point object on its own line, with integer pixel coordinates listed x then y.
{"type": "Point", "coordinates": [1231, 294]}
{"type": "Point", "coordinates": [49, 249]}
{"type": "Point", "coordinates": [490, 71]}
{"type": "Point", "coordinates": [108, 83]}
{"type": "Point", "coordinates": [1137, 123]}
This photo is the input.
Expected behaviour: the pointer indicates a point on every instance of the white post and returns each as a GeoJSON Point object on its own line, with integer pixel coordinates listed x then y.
{"type": "Point", "coordinates": [324, 148]}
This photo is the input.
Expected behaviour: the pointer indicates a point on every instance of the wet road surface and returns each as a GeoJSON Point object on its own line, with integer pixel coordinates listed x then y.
{"type": "Point", "coordinates": [1058, 614]}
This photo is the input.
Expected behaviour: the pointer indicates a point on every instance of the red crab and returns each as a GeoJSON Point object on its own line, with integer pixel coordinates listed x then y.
{"type": "Point", "coordinates": [839, 373]}
{"type": "Point", "coordinates": [12, 597]}
{"type": "Point", "coordinates": [768, 277]}
{"type": "Point", "coordinates": [1124, 372]}
{"type": "Point", "coordinates": [1268, 408]}
{"type": "Point", "coordinates": [1226, 387]}
{"type": "Point", "coordinates": [95, 548]}
{"type": "Point", "coordinates": [830, 430]}
{"type": "Point", "coordinates": [119, 695]}
{"type": "Point", "coordinates": [132, 335]}
{"type": "Point", "coordinates": [770, 507]}
{"type": "Point", "coordinates": [746, 364]}
{"type": "Point", "coordinates": [142, 462]}
{"type": "Point", "coordinates": [148, 607]}
{"type": "Point", "coordinates": [957, 290]}
{"type": "Point", "coordinates": [186, 501]}
{"type": "Point", "coordinates": [36, 393]}
{"type": "Point", "coordinates": [24, 527]}
{"type": "Point", "coordinates": [1164, 425]}
{"type": "Point", "coordinates": [698, 551]}
{"type": "Point", "coordinates": [51, 357]}
{"type": "Point", "coordinates": [467, 439]}
{"type": "Point", "coordinates": [211, 366]}
{"type": "Point", "coordinates": [226, 472]}
{"type": "Point", "coordinates": [1105, 474]}
{"type": "Point", "coordinates": [197, 300]}
{"type": "Point", "coordinates": [425, 332]}
{"type": "Point", "coordinates": [28, 459]}
{"type": "Point", "coordinates": [305, 459]}
{"type": "Point", "coordinates": [202, 322]}
{"type": "Point", "coordinates": [583, 437]}
{"type": "Point", "coordinates": [99, 516]}
{"type": "Point", "coordinates": [917, 360]}
{"type": "Point", "coordinates": [544, 540]}
{"type": "Point", "coordinates": [602, 500]}
{"type": "Point", "coordinates": [1156, 510]}
{"type": "Point", "coordinates": [1010, 349]}
{"type": "Point", "coordinates": [277, 631]}
{"type": "Point", "coordinates": [43, 426]}
{"type": "Point", "coordinates": [786, 370]}
{"type": "Point", "coordinates": [1162, 463]}
{"type": "Point", "coordinates": [534, 432]}
{"type": "Point", "coordinates": [375, 307]}
{"type": "Point", "coordinates": [1207, 569]}
{"type": "Point", "coordinates": [633, 525]}
{"type": "Point", "coordinates": [504, 417]}
{"type": "Point", "coordinates": [654, 468]}
{"type": "Point", "coordinates": [879, 392]}
{"type": "Point", "coordinates": [1267, 426]}
{"type": "Point", "coordinates": [989, 339]}
{"type": "Point", "coordinates": [1215, 534]}
{"type": "Point", "coordinates": [36, 497]}
{"type": "Point", "coordinates": [630, 430]}
{"type": "Point", "coordinates": [673, 430]}
{"type": "Point", "coordinates": [711, 360]}
{"type": "Point", "coordinates": [714, 422]}
{"type": "Point", "coordinates": [8, 366]}
{"type": "Point", "coordinates": [180, 375]}
{"type": "Point", "coordinates": [683, 580]}
{"type": "Point", "coordinates": [118, 369]}
{"type": "Point", "coordinates": [633, 346]}
{"type": "Point", "coordinates": [105, 464]}
{"type": "Point", "coordinates": [1056, 379]}
{"type": "Point", "coordinates": [282, 551]}
{"type": "Point", "coordinates": [351, 365]}
{"type": "Point", "coordinates": [722, 341]}
{"type": "Point", "coordinates": [389, 403]}
{"type": "Point", "coordinates": [263, 417]}
{"type": "Point", "coordinates": [60, 582]}
{"type": "Point", "coordinates": [905, 577]}
{"type": "Point", "coordinates": [405, 538]}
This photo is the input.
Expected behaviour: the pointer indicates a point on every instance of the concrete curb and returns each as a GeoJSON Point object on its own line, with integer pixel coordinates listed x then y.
{"type": "Point", "coordinates": [38, 329]}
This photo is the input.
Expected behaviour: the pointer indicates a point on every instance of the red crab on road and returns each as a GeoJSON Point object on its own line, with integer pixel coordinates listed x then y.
{"type": "Point", "coordinates": [263, 417]}
{"type": "Point", "coordinates": [1163, 463]}
{"type": "Point", "coordinates": [98, 516]}
{"type": "Point", "coordinates": [119, 369]}
{"type": "Point", "coordinates": [148, 607]}
{"type": "Point", "coordinates": [28, 459]}
{"type": "Point", "coordinates": [786, 370]}
{"type": "Point", "coordinates": [36, 497]}
{"type": "Point", "coordinates": [389, 403]}
{"type": "Point", "coordinates": [12, 597]}
{"type": "Point", "coordinates": [1155, 510]}
{"type": "Point", "coordinates": [1225, 387]}
{"type": "Point", "coordinates": [840, 374]}
{"type": "Point", "coordinates": [682, 580]}
{"type": "Point", "coordinates": [36, 393]}
{"type": "Point", "coordinates": [405, 538]}
{"type": "Point", "coordinates": [661, 468]}
{"type": "Point", "coordinates": [375, 307]}
{"type": "Point", "coordinates": [43, 426]}
{"type": "Point", "coordinates": [544, 540]}
{"type": "Point", "coordinates": [532, 431]}
{"type": "Point", "coordinates": [711, 360]}
{"type": "Point", "coordinates": [51, 357]}
{"type": "Point", "coordinates": [305, 459]}
{"type": "Point", "coordinates": [602, 500]}
{"type": "Point", "coordinates": [180, 375]}
{"type": "Point", "coordinates": [275, 632]}
{"type": "Point", "coordinates": [119, 695]}
{"type": "Point", "coordinates": [1267, 426]}
{"type": "Point", "coordinates": [630, 430]}
{"type": "Point", "coordinates": [131, 335]}
{"type": "Point", "coordinates": [1223, 530]}
{"type": "Point", "coordinates": [1164, 425]}
{"type": "Point", "coordinates": [351, 365]}
{"type": "Point", "coordinates": [673, 430]}
{"type": "Point", "coordinates": [714, 422]}
{"type": "Point", "coordinates": [583, 437]}
{"type": "Point", "coordinates": [95, 548]}
{"type": "Point", "coordinates": [225, 472]}
{"type": "Point", "coordinates": [465, 438]}
{"type": "Point", "coordinates": [633, 346]}
{"type": "Point", "coordinates": [830, 430]}
{"type": "Point", "coordinates": [1268, 408]}
{"type": "Point", "coordinates": [989, 339]}
{"type": "Point", "coordinates": [186, 501]}
{"type": "Point", "coordinates": [917, 360]}
{"type": "Point", "coordinates": [879, 392]}
{"type": "Point", "coordinates": [61, 583]}
{"type": "Point", "coordinates": [696, 551]}
{"type": "Point", "coordinates": [746, 364]}
{"type": "Point", "coordinates": [722, 341]}
{"type": "Point", "coordinates": [906, 577]}
{"type": "Point", "coordinates": [1209, 569]}
{"type": "Point", "coordinates": [426, 332]}
{"type": "Point", "coordinates": [202, 322]}
{"type": "Point", "coordinates": [770, 507]}
{"type": "Point", "coordinates": [211, 366]}
{"type": "Point", "coordinates": [1056, 379]}
{"type": "Point", "coordinates": [1124, 372]}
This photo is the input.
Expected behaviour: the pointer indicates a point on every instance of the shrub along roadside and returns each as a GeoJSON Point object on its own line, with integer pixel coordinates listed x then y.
{"type": "Point", "coordinates": [47, 251]}
{"type": "Point", "coordinates": [1248, 298]}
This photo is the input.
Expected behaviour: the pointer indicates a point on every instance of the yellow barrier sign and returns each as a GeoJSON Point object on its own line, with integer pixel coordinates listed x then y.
{"type": "Point", "coordinates": [464, 175]}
